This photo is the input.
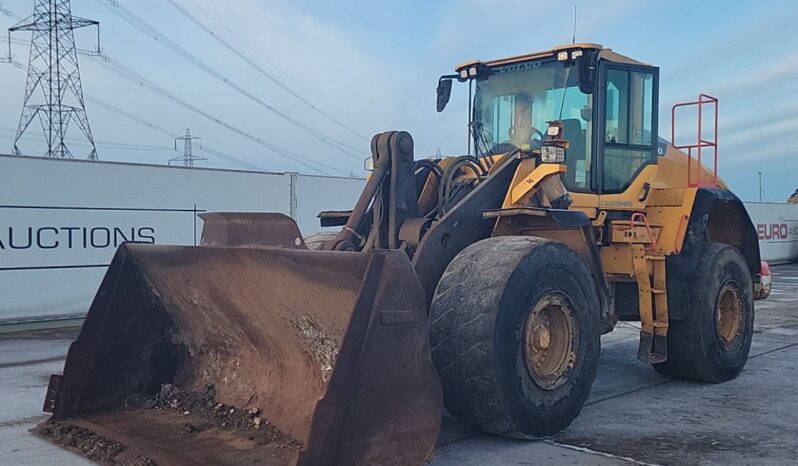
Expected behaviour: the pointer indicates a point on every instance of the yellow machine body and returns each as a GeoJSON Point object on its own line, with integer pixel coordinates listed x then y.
{"type": "Point", "coordinates": [481, 281]}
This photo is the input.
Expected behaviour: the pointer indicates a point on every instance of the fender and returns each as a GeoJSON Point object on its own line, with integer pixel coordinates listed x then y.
{"type": "Point", "coordinates": [719, 216]}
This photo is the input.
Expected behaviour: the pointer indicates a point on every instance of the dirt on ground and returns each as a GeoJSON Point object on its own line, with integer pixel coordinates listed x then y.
{"type": "Point", "coordinates": [321, 343]}
{"type": "Point", "coordinates": [94, 447]}
{"type": "Point", "coordinates": [670, 448]}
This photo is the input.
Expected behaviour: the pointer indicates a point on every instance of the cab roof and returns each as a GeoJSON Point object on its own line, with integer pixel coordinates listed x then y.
{"type": "Point", "coordinates": [604, 54]}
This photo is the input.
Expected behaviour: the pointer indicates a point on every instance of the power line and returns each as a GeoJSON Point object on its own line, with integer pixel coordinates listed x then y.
{"type": "Point", "coordinates": [141, 121]}
{"type": "Point", "coordinates": [205, 148]}
{"type": "Point", "coordinates": [162, 39]}
{"type": "Point", "coordinates": [210, 150]}
{"type": "Point", "coordinates": [6, 12]}
{"type": "Point", "coordinates": [105, 144]}
{"type": "Point", "coordinates": [140, 80]}
{"type": "Point", "coordinates": [280, 70]}
{"type": "Point", "coordinates": [130, 116]}
{"type": "Point", "coordinates": [265, 73]}
{"type": "Point", "coordinates": [127, 146]}
{"type": "Point", "coordinates": [136, 78]}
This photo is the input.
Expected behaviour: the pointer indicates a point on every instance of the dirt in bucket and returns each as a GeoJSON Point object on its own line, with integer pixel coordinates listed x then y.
{"type": "Point", "coordinates": [320, 343]}
{"type": "Point", "coordinates": [174, 427]}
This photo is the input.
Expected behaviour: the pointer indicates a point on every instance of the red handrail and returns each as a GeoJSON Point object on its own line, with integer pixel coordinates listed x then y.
{"type": "Point", "coordinates": [633, 223]}
{"type": "Point", "coordinates": [703, 99]}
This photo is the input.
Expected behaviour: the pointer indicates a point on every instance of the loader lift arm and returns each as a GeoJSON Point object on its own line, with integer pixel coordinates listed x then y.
{"type": "Point", "coordinates": [482, 281]}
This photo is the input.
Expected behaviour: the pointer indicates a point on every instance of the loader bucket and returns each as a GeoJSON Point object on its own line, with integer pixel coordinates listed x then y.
{"type": "Point", "coordinates": [226, 355]}
{"type": "Point", "coordinates": [250, 230]}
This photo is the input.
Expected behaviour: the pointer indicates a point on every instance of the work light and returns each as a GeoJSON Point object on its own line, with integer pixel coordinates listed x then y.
{"type": "Point", "coordinates": [553, 148]}
{"type": "Point", "coordinates": [552, 154]}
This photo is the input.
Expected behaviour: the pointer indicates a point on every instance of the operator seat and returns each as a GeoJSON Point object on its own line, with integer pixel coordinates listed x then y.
{"type": "Point", "coordinates": [575, 135]}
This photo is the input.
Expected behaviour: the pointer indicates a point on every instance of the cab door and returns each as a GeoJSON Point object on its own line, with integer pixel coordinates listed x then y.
{"type": "Point", "coordinates": [627, 138]}
{"type": "Point", "coordinates": [579, 129]}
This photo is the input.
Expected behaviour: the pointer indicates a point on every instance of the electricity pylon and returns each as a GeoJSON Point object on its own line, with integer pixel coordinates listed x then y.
{"type": "Point", "coordinates": [53, 93]}
{"type": "Point", "coordinates": [188, 158]}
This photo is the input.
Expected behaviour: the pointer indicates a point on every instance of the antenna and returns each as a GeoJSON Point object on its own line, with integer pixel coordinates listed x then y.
{"type": "Point", "coordinates": [188, 158]}
{"type": "Point", "coordinates": [573, 39]}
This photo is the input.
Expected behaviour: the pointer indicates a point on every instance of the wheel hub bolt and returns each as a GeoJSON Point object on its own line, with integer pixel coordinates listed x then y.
{"type": "Point", "coordinates": [542, 337]}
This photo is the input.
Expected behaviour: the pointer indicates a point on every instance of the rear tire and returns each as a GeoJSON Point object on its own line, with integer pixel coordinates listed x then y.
{"type": "Point", "coordinates": [514, 328]}
{"type": "Point", "coordinates": [712, 342]}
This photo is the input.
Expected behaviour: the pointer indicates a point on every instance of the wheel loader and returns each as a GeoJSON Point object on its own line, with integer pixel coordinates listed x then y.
{"type": "Point", "coordinates": [480, 283]}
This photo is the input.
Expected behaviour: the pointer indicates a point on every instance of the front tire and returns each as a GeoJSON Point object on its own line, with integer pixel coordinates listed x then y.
{"type": "Point", "coordinates": [712, 342]}
{"type": "Point", "coordinates": [514, 328]}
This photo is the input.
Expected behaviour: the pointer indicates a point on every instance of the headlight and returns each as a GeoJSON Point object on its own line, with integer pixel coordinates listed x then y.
{"type": "Point", "coordinates": [552, 154]}
{"type": "Point", "coordinates": [368, 164]}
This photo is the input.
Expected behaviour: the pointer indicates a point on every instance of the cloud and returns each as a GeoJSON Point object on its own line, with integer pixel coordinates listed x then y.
{"type": "Point", "coordinates": [473, 27]}
{"type": "Point", "coordinates": [759, 77]}
{"type": "Point", "coordinates": [379, 62]}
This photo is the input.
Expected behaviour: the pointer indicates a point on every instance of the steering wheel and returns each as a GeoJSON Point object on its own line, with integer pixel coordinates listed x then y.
{"type": "Point", "coordinates": [535, 132]}
{"type": "Point", "coordinates": [509, 146]}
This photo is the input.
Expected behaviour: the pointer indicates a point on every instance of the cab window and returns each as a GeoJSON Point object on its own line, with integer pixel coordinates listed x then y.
{"type": "Point", "coordinates": [515, 103]}
{"type": "Point", "coordinates": [628, 129]}
{"type": "Point", "coordinates": [503, 106]}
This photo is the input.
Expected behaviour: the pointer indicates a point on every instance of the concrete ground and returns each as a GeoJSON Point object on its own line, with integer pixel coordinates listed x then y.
{"type": "Point", "coordinates": [634, 415]}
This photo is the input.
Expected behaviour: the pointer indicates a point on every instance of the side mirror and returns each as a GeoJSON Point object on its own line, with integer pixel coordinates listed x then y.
{"type": "Point", "coordinates": [444, 92]}
{"type": "Point", "coordinates": [586, 113]}
{"type": "Point", "coordinates": [587, 65]}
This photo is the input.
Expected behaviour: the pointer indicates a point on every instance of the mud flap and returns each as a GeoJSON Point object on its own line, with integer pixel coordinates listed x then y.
{"type": "Point", "coordinates": [331, 347]}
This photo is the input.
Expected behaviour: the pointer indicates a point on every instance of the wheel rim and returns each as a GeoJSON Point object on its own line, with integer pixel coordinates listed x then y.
{"type": "Point", "coordinates": [728, 315]}
{"type": "Point", "coordinates": [549, 343]}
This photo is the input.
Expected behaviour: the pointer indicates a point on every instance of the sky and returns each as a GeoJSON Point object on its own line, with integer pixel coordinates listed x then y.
{"type": "Point", "coordinates": [311, 81]}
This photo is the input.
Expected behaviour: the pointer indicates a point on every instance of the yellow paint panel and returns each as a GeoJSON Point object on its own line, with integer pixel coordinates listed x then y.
{"type": "Point", "coordinates": [671, 197]}
{"type": "Point", "coordinates": [630, 198]}
{"type": "Point", "coordinates": [586, 203]}
{"type": "Point", "coordinates": [531, 182]}
{"type": "Point", "coordinates": [624, 232]}
{"type": "Point", "coordinates": [617, 259]}
{"type": "Point", "coordinates": [674, 167]}
{"type": "Point", "coordinates": [674, 221]}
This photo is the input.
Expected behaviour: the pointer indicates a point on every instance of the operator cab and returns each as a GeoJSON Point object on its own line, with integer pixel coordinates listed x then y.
{"type": "Point", "coordinates": [607, 104]}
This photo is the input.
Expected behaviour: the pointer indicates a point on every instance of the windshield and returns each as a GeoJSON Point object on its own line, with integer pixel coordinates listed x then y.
{"type": "Point", "coordinates": [513, 105]}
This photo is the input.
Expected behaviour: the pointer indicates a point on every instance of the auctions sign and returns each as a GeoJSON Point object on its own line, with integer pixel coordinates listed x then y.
{"type": "Point", "coordinates": [35, 237]}
{"type": "Point", "coordinates": [52, 237]}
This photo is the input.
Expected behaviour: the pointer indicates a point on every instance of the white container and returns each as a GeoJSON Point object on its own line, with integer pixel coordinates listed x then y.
{"type": "Point", "coordinates": [61, 220]}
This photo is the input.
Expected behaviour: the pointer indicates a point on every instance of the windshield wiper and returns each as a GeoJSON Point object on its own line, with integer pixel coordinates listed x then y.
{"type": "Point", "coordinates": [479, 137]}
